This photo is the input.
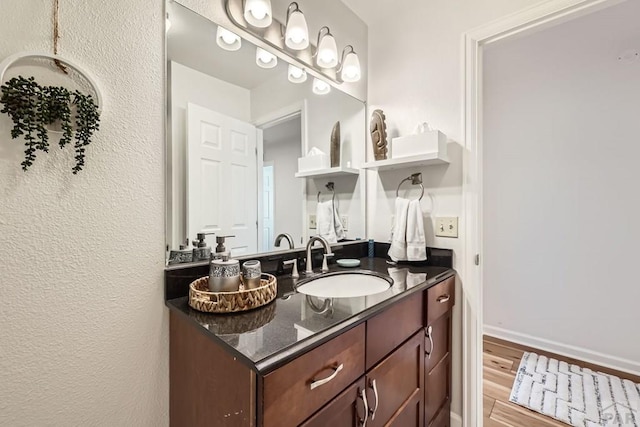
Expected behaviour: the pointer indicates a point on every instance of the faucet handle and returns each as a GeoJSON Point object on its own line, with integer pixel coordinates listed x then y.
{"type": "Point", "coordinates": [325, 267]}
{"type": "Point", "coordinates": [294, 270]}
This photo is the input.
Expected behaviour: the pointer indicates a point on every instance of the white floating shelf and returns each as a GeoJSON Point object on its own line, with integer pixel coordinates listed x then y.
{"type": "Point", "coordinates": [325, 173]}
{"type": "Point", "coordinates": [428, 159]}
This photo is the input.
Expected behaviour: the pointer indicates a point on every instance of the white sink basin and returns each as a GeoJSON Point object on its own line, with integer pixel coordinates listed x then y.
{"type": "Point", "coordinates": [345, 285]}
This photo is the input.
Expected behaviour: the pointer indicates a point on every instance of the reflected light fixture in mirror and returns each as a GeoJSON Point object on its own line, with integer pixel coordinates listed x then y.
{"type": "Point", "coordinates": [327, 53]}
{"type": "Point", "coordinates": [265, 59]}
{"type": "Point", "coordinates": [296, 35]}
{"type": "Point", "coordinates": [350, 66]}
{"type": "Point", "coordinates": [296, 75]}
{"type": "Point", "coordinates": [228, 40]}
{"type": "Point", "coordinates": [258, 13]}
{"type": "Point", "coordinates": [320, 87]}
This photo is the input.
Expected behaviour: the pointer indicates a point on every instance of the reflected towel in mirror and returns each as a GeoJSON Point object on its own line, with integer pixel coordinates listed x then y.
{"type": "Point", "coordinates": [328, 222]}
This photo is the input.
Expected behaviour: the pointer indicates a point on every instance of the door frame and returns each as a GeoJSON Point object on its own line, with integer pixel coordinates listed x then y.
{"type": "Point", "coordinates": [535, 18]}
{"type": "Point", "coordinates": [274, 118]}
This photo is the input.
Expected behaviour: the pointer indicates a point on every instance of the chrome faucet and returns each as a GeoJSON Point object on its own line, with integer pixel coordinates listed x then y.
{"type": "Point", "coordinates": [327, 253]}
{"type": "Point", "coordinates": [285, 236]}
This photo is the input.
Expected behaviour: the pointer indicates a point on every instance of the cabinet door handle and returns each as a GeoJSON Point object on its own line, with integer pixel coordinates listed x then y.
{"type": "Point", "coordinates": [318, 383]}
{"type": "Point", "coordinates": [372, 411]}
{"type": "Point", "coordinates": [443, 298]}
{"type": "Point", "coordinates": [363, 396]}
{"type": "Point", "coordinates": [429, 332]}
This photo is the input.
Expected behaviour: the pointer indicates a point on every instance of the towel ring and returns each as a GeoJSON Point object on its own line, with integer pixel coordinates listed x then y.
{"type": "Point", "coordinates": [416, 179]}
{"type": "Point", "coordinates": [331, 188]}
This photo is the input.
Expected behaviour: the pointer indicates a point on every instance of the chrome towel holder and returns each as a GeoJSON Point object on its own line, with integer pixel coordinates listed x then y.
{"type": "Point", "coordinates": [416, 179]}
{"type": "Point", "coordinates": [331, 188]}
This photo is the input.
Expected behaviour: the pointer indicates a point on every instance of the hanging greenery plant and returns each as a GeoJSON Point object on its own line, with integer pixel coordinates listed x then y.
{"type": "Point", "coordinates": [32, 108]}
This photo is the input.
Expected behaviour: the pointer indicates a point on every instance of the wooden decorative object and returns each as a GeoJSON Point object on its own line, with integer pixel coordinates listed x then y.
{"type": "Point", "coordinates": [201, 299]}
{"type": "Point", "coordinates": [335, 145]}
{"type": "Point", "coordinates": [378, 130]}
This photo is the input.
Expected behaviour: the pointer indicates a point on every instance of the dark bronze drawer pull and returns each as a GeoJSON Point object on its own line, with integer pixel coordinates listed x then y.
{"type": "Point", "coordinates": [443, 298]}
{"type": "Point", "coordinates": [318, 383]}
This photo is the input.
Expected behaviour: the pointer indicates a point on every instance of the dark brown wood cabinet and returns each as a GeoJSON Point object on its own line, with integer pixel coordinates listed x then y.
{"type": "Point", "coordinates": [393, 369]}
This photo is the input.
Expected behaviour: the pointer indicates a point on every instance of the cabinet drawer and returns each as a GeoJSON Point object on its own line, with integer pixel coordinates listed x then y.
{"type": "Point", "coordinates": [437, 388]}
{"type": "Point", "coordinates": [344, 411]}
{"type": "Point", "coordinates": [389, 329]}
{"type": "Point", "coordinates": [437, 341]}
{"type": "Point", "coordinates": [440, 299]}
{"type": "Point", "coordinates": [289, 397]}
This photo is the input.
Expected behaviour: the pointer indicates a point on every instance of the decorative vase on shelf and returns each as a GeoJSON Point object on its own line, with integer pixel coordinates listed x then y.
{"type": "Point", "coordinates": [378, 129]}
{"type": "Point", "coordinates": [335, 145]}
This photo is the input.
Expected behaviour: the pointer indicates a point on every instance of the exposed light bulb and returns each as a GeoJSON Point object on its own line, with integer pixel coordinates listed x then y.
{"type": "Point", "coordinates": [350, 67]}
{"type": "Point", "coordinates": [327, 53]}
{"type": "Point", "coordinates": [320, 87]}
{"type": "Point", "coordinates": [228, 40]}
{"type": "Point", "coordinates": [296, 75]}
{"type": "Point", "coordinates": [265, 59]}
{"type": "Point", "coordinates": [258, 13]}
{"type": "Point", "coordinates": [296, 34]}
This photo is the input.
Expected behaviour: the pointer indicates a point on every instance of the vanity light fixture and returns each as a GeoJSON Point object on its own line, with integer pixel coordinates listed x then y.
{"type": "Point", "coordinates": [296, 35]}
{"type": "Point", "coordinates": [350, 65]}
{"type": "Point", "coordinates": [265, 59]}
{"type": "Point", "coordinates": [296, 75]}
{"type": "Point", "coordinates": [258, 13]}
{"type": "Point", "coordinates": [320, 87]}
{"type": "Point", "coordinates": [327, 53]}
{"type": "Point", "coordinates": [228, 40]}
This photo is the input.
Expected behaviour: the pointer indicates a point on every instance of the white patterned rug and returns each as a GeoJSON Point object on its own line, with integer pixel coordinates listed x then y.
{"type": "Point", "coordinates": [577, 396]}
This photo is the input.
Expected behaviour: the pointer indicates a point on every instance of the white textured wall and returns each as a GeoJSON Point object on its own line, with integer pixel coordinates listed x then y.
{"type": "Point", "coordinates": [560, 186]}
{"type": "Point", "coordinates": [84, 331]}
{"type": "Point", "coordinates": [415, 75]}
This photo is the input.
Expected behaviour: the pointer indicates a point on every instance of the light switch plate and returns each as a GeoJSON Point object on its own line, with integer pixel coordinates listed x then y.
{"type": "Point", "coordinates": [447, 227]}
{"type": "Point", "coordinates": [312, 222]}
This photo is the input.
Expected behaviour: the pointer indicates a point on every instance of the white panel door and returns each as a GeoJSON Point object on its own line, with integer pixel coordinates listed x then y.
{"type": "Point", "coordinates": [222, 187]}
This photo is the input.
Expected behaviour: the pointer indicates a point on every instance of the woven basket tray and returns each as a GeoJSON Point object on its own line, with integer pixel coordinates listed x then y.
{"type": "Point", "coordinates": [201, 299]}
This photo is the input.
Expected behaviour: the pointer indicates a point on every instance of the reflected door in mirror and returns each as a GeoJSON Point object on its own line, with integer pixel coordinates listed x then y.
{"type": "Point", "coordinates": [222, 182]}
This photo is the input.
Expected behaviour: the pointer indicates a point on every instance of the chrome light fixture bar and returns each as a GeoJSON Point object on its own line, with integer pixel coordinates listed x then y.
{"type": "Point", "coordinates": [275, 36]}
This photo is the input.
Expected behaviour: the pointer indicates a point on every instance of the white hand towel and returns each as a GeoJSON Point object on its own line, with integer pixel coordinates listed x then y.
{"type": "Point", "coordinates": [416, 242]}
{"type": "Point", "coordinates": [325, 221]}
{"type": "Point", "coordinates": [337, 225]}
{"type": "Point", "coordinates": [398, 249]}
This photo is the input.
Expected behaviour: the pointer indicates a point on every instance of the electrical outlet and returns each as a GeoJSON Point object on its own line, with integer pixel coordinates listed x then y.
{"type": "Point", "coordinates": [447, 227]}
{"type": "Point", "coordinates": [344, 219]}
{"type": "Point", "coordinates": [312, 222]}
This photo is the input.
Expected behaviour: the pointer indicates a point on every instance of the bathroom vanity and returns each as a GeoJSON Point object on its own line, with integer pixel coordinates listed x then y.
{"type": "Point", "coordinates": [376, 360]}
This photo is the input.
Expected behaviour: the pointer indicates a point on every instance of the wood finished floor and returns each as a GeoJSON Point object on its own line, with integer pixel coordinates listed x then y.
{"type": "Point", "coordinates": [501, 360]}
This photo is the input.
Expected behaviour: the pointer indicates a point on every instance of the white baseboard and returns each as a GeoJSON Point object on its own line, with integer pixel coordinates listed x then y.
{"type": "Point", "coordinates": [605, 360]}
{"type": "Point", "coordinates": [456, 420]}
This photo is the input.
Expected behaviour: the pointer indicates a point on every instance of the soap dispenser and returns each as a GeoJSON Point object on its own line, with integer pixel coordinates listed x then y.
{"type": "Point", "coordinates": [221, 251]}
{"type": "Point", "coordinates": [201, 252]}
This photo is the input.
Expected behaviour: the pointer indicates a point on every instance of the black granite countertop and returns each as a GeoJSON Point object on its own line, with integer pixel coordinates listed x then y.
{"type": "Point", "coordinates": [269, 337]}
